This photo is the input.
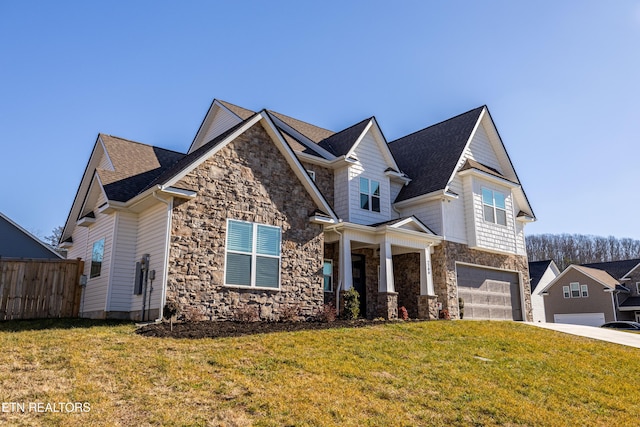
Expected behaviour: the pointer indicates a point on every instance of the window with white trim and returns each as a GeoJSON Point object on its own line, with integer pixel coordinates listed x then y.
{"type": "Point", "coordinates": [369, 194]}
{"type": "Point", "coordinates": [575, 289]}
{"type": "Point", "coordinates": [565, 291]}
{"type": "Point", "coordinates": [638, 288]}
{"type": "Point", "coordinates": [494, 207]}
{"type": "Point", "coordinates": [252, 255]}
{"type": "Point", "coordinates": [97, 254]}
{"type": "Point", "coordinates": [327, 273]}
{"type": "Point", "coordinates": [584, 291]}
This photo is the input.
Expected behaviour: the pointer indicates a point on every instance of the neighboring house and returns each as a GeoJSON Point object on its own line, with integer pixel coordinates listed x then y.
{"type": "Point", "coordinates": [266, 212]}
{"type": "Point", "coordinates": [16, 242]}
{"type": "Point", "coordinates": [541, 273]}
{"type": "Point", "coordinates": [612, 292]}
{"type": "Point", "coordinates": [628, 295]}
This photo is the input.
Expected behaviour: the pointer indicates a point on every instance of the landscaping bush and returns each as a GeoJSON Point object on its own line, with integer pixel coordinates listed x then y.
{"type": "Point", "coordinates": [290, 313]}
{"type": "Point", "coordinates": [351, 304]}
{"type": "Point", "coordinates": [327, 314]}
{"type": "Point", "coordinates": [403, 313]}
{"type": "Point", "coordinates": [246, 313]}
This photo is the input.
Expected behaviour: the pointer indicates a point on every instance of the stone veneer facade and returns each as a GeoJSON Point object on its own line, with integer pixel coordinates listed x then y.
{"type": "Point", "coordinates": [248, 180]}
{"type": "Point", "coordinates": [443, 263]}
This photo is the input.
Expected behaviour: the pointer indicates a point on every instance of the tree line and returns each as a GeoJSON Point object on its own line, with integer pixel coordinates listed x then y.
{"type": "Point", "coordinates": [566, 249]}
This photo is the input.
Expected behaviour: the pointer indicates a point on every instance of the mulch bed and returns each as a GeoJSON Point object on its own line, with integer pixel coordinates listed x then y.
{"type": "Point", "coordinates": [212, 329]}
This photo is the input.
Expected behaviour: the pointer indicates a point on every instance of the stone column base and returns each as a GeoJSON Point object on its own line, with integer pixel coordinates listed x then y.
{"type": "Point", "coordinates": [428, 307]}
{"type": "Point", "coordinates": [387, 307]}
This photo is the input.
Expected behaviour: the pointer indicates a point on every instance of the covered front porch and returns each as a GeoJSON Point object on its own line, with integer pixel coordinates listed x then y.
{"type": "Point", "coordinates": [388, 264]}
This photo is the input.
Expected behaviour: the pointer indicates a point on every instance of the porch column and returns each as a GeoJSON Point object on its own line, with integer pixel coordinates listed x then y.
{"type": "Point", "coordinates": [346, 274]}
{"type": "Point", "coordinates": [386, 268]}
{"type": "Point", "coordinates": [426, 278]}
{"type": "Point", "coordinates": [387, 307]}
{"type": "Point", "coordinates": [427, 300]}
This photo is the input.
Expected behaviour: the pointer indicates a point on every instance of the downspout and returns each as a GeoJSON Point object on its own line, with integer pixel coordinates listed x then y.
{"type": "Point", "coordinates": [163, 279]}
{"type": "Point", "coordinates": [613, 303]}
{"type": "Point", "coordinates": [341, 244]}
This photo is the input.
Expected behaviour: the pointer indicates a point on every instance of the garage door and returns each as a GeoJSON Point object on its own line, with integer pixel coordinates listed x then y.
{"type": "Point", "coordinates": [587, 319]}
{"type": "Point", "coordinates": [489, 294]}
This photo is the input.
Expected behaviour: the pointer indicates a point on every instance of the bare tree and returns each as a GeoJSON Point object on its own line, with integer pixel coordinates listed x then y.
{"type": "Point", "coordinates": [54, 238]}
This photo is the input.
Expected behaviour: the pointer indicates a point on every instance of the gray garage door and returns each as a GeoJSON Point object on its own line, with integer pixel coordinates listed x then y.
{"type": "Point", "coordinates": [489, 294]}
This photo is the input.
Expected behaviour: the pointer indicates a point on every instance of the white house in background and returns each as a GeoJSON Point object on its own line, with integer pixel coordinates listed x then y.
{"type": "Point", "coordinates": [541, 274]}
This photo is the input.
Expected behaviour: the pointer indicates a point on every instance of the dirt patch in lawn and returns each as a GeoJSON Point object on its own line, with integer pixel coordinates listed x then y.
{"type": "Point", "coordinates": [212, 329]}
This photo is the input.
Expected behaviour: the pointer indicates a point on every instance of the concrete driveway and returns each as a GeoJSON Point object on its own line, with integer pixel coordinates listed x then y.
{"type": "Point", "coordinates": [603, 334]}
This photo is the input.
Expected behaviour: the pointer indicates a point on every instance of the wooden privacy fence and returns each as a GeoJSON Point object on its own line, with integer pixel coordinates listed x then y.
{"type": "Point", "coordinates": [39, 289]}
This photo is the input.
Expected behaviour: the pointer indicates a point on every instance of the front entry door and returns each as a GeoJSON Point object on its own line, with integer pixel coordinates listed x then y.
{"type": "Point", "coordinates": [359, 281]}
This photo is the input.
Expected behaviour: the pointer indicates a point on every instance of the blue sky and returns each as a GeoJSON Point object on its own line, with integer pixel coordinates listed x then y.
{"type": "Point", "coordinates": [561, 79]}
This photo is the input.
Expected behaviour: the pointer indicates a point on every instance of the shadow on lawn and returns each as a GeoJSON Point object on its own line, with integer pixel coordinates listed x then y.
{"type": "Point", "coordinates": [65, 323]}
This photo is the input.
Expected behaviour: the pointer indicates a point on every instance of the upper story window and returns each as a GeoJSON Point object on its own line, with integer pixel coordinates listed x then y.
{"type": "Point", "coordinates": [369, 195]}
{"type": "Point", "coordinates": [638, 288]}
{"type": "Point", "coordinates": [575, 290]}
{"type": "Point", "coordinates": [253, 255]}
{"type": "Point", "coordinates": [493, 203]}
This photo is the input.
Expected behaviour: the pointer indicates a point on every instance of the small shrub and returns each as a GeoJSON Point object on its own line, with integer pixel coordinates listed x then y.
{"type": "Point", "coordinates": [327, 314]}
{"type": "Point", "coordinates": [444, 314]}
{"type": "Point", "coordinates": [403, 313]}
{"type": "Point", "coordinates": [169, 312]}
{"type": "Point", "coordinates": [192, 314]}
{"type": "Point", "coordinates": [351, 304]}
{"type": "Point", "coordinates": [290, 313]}
{"type": "Point", "coordinates": [461, 307]}
{"type": "Point", "coordinates": [247, 313]}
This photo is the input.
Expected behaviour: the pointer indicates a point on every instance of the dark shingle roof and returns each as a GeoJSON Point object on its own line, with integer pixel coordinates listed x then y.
{"type": "Point", "coordinates": [314, 133]}
{"type": "Point", "coordinates": [135, 165]}
{"type": "Point", "coordinates": [631, 302]}
{"type": "Point", "coordinates": [615, 269]}
{"type": "Point", "coordinates": [340, 143]}
{"type": "Point", "coordinates": [429, 156]}
{"type": "Point", "coordinates": [536, 271]}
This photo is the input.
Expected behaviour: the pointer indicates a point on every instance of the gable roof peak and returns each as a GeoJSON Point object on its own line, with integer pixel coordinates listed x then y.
{"type": "Point", "coordinates": [241, 112]}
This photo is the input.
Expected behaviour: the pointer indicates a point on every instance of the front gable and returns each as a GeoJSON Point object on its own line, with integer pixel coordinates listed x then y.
{"type": "Point", "coordinates": [220, 117]}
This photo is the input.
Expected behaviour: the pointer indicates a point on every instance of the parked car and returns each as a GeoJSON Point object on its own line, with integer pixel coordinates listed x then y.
{"type": "Point", "coordinates": [625, 325]}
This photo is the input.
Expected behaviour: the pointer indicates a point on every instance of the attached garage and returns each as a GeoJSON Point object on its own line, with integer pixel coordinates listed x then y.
{"type": "Point", "coordinates": [587, 319]}
{"type": "Point", "coordinates": [489, 293]}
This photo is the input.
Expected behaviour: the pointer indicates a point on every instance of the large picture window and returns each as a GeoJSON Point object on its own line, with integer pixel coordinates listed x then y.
{"type": "Point", "coordinates": [493, 204]}
{"type": "Point", "coordinates": [253, 255]}
{"type": "Point", "coordinates": [369, 195]}
{"type": "Point", "coordinates": [96, 258]}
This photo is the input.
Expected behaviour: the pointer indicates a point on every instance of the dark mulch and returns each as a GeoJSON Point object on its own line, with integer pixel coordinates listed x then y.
{"type": "Point", "coordinates": [207, 329]}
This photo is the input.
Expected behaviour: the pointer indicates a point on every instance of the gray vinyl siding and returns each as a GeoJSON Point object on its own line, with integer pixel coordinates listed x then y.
{"type": "Point", "coordinates": [124, 262]}
{"type": "Point", "coordinates": [94, 300]}
{"type": "Point", "coordinates": [152, 234]}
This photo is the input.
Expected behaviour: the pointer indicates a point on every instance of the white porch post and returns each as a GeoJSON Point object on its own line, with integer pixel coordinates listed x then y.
{"type": "Point", "coordinates": [346, 274]}
{"type": "Point", "coordinates": [426, 278]}
{"type": "Point", "coordinates": [386, 268]}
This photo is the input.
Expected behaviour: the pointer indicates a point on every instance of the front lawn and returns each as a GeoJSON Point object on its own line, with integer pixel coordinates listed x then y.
{"type": "Point", "coordinates": [402, 374]}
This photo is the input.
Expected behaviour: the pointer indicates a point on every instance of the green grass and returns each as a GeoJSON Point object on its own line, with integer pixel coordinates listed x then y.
{"type": "Point", "coordinates": [405, 374]}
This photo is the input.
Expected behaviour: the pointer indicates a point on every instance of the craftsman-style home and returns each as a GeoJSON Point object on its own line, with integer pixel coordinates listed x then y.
{"type": "Point", "coordinates": [268, 212]}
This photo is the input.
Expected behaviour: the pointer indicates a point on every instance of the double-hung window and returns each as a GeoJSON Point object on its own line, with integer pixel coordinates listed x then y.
{"type": "Point", "coordinates": [584, 291]}
{"type": "Point", "coordinates": [253, 255]}
{"type": "Point", "coordinates": [493, 204]}
{"type": "Point", "coordinates": [369, 194]}
{"type": "Point", "coordinates": [566, 292]}
{"type": "Point", "coordinates": [575, 290]}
